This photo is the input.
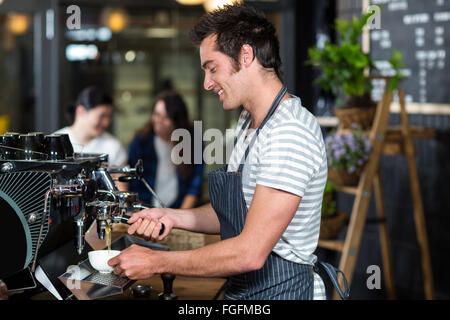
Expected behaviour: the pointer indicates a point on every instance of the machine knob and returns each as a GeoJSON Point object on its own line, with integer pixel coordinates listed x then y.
{"type": "Point", "coordinates": [139, 168]}
{"type": "Point", "coordinates": [127, 178]}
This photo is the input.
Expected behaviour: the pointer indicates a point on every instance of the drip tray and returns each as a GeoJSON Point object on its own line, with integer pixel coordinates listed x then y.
{"type": "Point", "coordinates": [86, 283]}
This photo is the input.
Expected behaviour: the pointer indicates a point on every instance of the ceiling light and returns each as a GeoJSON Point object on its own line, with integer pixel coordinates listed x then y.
{"type": "Point", "coordinates": [130, 56]}
{"type": "Point", "coordinates": [189, 2]}
{"type": "Point", "coordinates": [17, 23]}
{"type": "Point", "coordinates": [211, 5]}
{"type": "Point", "coordinates": [80, 52]}
{"type": "Point", "coordinates": [162, 32]}
{"type": "Point", "coordinates": [115, 19]}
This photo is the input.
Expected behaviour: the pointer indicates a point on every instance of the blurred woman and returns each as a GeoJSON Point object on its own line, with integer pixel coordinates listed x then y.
{"type": "Point", "coordinates": [91, 116]}
{"type": "Point", "coordinates": [178, 186]}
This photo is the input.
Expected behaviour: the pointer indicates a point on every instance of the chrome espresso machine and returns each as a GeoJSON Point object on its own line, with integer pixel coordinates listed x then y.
{"type": "Point", "coordinates": [49, 198]}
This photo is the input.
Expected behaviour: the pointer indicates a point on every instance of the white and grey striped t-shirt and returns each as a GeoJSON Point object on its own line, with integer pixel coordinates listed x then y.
{"type": "Point", "coordinates": [288, 154]}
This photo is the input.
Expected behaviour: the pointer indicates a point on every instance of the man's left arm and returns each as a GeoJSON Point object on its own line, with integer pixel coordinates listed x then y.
{"type": "Point", "coordinates": [269, 214]}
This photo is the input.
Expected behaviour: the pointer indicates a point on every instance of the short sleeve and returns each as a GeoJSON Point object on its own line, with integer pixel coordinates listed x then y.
{"type": "Point", "coordinates": [121, 156]}
{"type": "Point", "coordinates": [289, 158]}
{"type": "Point", "coordinates": [118, 157]}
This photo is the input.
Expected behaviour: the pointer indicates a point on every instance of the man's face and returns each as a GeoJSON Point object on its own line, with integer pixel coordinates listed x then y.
{"type": "Point", "coordinates": [220, 76]}
{"type": "Point", "coordinates": [97, 119]}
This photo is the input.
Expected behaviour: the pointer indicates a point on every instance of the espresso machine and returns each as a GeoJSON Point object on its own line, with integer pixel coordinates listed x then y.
{"type": "Point", "coordinates": [49, 198]}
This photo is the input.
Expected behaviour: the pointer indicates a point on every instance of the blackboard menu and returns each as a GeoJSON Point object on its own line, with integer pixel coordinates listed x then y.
{"type": "Point", "coordinates": [420, 29]}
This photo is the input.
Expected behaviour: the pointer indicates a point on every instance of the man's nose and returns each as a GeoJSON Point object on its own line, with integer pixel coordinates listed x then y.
{"type": "Point", "coordinates": [208, 83]}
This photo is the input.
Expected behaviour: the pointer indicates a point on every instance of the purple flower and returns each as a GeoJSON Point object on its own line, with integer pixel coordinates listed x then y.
{"type": "Point", "coordinates": [349, 150]}
{"type": "Point", "coordinates": [367, 148]}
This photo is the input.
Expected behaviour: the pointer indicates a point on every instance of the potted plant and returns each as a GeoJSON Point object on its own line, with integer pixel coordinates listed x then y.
{"type": "Point", "coordinates": [344, 67]}
{"type": "Point", "coordinates": [332, 222]}
{"type": "Point", "coordinates": [347, 153]}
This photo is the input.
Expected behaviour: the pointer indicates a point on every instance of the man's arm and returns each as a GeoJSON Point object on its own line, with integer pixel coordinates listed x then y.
{"type": "Point", "coordinates": [202, 219]}
{"type": "Point", "coordinates": [148, 222]}
{"type": "Point", "coordinates": [270, 213]}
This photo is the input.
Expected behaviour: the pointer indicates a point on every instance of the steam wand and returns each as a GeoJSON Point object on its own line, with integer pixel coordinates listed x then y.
{"type": "Point", "coordinates": [136, 173]}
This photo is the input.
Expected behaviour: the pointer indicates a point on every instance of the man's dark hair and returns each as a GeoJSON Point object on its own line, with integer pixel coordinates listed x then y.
{"type": "Point", "coordinates": [236, 25]}
{"type": "Point", "coordinates": [89, 98]}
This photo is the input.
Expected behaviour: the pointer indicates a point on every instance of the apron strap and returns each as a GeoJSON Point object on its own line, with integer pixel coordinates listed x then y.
{"type": "Point", "coordinates": [331, 272]}
{"type": "Point", "coordinates": [275, 103]}
{"type": "Point", "coordinates": [244, 126]}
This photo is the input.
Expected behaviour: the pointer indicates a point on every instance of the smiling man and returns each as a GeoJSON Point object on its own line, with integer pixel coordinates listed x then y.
{"type": "Point", "coordinates": [266, 203]}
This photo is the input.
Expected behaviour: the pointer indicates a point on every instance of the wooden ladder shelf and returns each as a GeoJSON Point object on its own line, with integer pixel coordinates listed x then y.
{"type": "Point", "coordinates": [394, 140]}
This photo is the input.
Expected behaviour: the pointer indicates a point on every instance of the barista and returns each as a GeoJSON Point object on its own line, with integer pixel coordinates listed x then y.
{"type": "Point", "coordinates": [266, 203]}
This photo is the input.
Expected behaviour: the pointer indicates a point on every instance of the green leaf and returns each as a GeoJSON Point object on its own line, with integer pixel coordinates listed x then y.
{"type": "Point", "coordinates": [343, 64]}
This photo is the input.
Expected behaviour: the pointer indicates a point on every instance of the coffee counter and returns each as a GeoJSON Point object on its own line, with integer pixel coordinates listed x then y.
{"type": "Point", "coordinates": [186, 288]}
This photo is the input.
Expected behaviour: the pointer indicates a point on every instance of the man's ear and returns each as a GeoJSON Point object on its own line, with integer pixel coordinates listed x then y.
{"type": "Point", "coordinates": [247, 55]}
{"type": "Point", "coordinates": [80, 110]}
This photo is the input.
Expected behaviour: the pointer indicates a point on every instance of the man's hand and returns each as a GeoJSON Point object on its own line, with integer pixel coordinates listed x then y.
{"type": "Point", "coordinates": [135, 262]}
{"type": "Point", "coordinates": [148, 222]}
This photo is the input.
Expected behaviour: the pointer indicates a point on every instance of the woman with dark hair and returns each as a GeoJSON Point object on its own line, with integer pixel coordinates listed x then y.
{"type": "Point", "coordinates": [178, 186]}
{"type": "Point", "coordinates": [90, 117]}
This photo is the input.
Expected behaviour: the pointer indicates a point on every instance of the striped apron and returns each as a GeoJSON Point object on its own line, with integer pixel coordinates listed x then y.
{"type": "Point", "coordinates": [278, 279]}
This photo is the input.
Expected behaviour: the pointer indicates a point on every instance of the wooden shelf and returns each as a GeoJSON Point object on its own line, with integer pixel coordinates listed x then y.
{"type": "Point", "coordinates": [385, 140]}
{"type": "Point", "coordinates": [394, 133]}
{"type": "Point", "coordinates": [346, 189]}
{"type": "Point", "coordinates": [337, 245]}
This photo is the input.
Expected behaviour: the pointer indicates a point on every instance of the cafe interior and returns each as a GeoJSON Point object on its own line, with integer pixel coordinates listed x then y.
{"type": "Point", "coordinates": [385, 226]}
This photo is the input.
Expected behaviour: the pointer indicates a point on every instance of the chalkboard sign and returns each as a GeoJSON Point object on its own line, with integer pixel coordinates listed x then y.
{"type": "Point", "coordinates": [420, 29]}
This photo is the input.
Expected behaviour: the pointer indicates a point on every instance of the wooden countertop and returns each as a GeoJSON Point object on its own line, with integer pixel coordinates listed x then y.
{"type": "Point", "coordinates": [186, 288]}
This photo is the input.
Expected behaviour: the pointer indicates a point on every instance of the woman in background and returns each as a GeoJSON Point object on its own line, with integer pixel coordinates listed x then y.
{"type": "Point", "coordinates": [90, 117]}
{"type": "Point", "coordinates": [178, 186]}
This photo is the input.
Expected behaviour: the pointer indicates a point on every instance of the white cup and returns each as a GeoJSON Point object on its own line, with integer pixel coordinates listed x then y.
{"type": "Point", "coordinates": [99, 259]}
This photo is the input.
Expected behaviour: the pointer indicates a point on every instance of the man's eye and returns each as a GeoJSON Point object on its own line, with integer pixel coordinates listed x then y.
{"type": "Point", "coordinates": [213, 70]}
